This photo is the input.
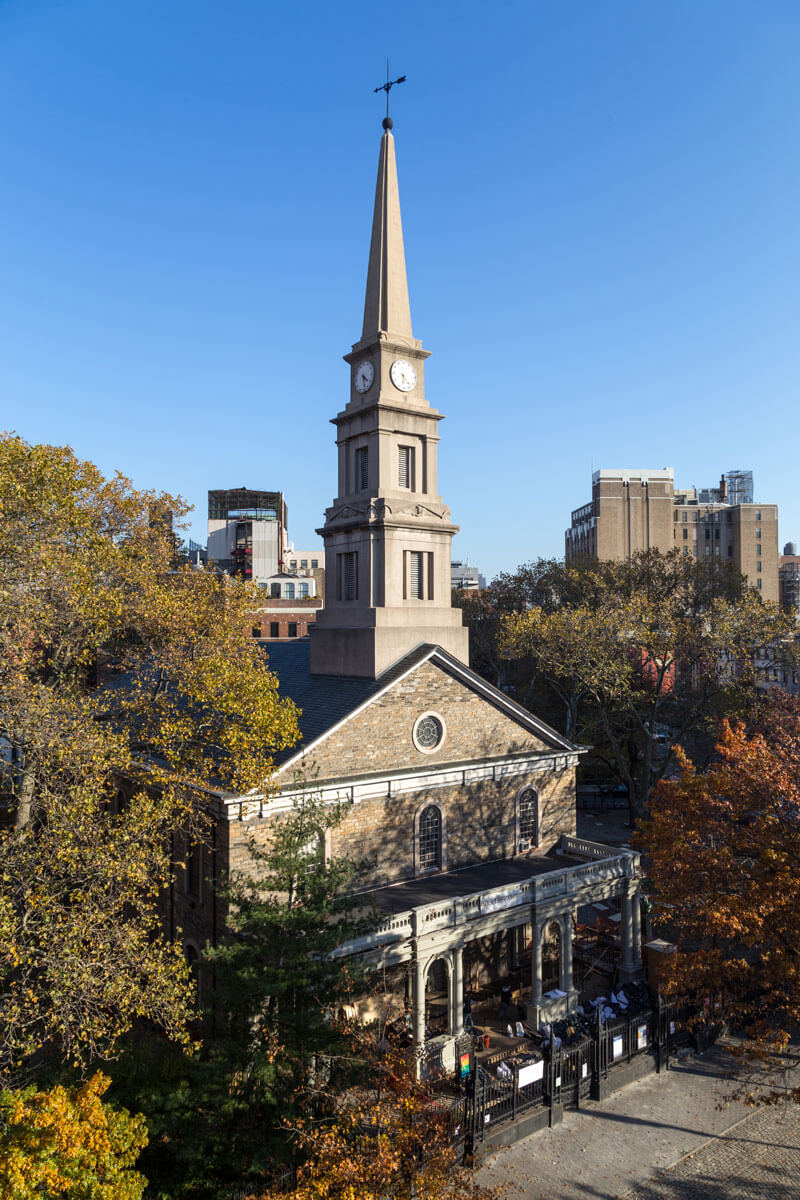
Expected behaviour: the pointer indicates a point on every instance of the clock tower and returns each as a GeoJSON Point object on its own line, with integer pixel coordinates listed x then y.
{"type": "Point", "coordinates": [388, 534]}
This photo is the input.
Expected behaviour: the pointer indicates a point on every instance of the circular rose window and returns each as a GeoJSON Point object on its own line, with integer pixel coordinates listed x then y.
{"type": "Point", "coordinates": [428, 732]}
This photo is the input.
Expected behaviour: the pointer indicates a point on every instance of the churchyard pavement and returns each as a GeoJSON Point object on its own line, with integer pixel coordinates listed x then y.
{"type": "Point", "coordinates": [675, 1136]}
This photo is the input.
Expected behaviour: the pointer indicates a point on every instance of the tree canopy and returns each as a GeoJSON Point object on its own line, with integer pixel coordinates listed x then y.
{"type": "Point", "coordinates": [642, 654]}
{"type": "Point", "coordinates": [276, 996]}
{"type": "Point", "coordinates": [128, 685]}
{"type": "Point", "coordinates": [724, 849]}
{"type": "Point", "coordinates": [68, 1144]}
{"type": "Point", "coordinates": [386, 1138]}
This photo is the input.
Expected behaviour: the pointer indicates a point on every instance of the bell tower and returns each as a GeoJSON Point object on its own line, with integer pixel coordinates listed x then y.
{"type": "Point", "coordinates": [388, 534]}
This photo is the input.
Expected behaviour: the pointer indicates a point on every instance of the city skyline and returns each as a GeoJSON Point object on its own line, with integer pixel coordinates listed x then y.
{"type": "Point", "coordinates": [599, 214]}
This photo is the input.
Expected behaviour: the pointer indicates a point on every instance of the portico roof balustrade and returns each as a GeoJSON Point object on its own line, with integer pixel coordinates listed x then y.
{"type": "Point", "coordinates": [481, 899]}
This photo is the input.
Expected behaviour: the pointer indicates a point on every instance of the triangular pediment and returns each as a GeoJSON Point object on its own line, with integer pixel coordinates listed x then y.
{"type": "Point", "coordinates": [378, 730]}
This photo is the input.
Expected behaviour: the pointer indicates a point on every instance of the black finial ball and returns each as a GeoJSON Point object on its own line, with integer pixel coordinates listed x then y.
{"type": "Point", "coordinates": [387, 122]}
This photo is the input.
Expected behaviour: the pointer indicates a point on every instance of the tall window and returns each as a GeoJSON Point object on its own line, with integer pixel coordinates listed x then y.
{"type": "Point", "coordinates": [347, 576]}
{"type": "Point", "coordinates": [274, 629]}
{"type": "Point", "coordinates": [288, 591]}
{"type": "Point", "coordinates": [528, 818]}
{"type": "Point", "coordinates": [430, 839]}
{"type": "Point", "coordinates": [405, 467]}
{"type": "Point", "coordinates": [418, 575]}
{"type": "Point", "coordinates": [302, 591]}
{"type": "Point", "coordinates": [292, 632]}
{"type": "Point", "coordinates": [362, 468]}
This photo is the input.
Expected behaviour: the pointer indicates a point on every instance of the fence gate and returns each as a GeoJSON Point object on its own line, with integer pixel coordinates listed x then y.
{"type": "Point", "coordinates": [573, 1065]}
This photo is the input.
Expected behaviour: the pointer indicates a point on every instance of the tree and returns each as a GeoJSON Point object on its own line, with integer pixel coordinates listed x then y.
{"type": "Point", "coordinates": [127, 686]}
{"type": "Point", "coordinates": [724, 848]}
{"type": "Point", "coordinates": [69, 1144]}
{"type": "Point", "coordinates": [276, 1018]}
{"type": "Point", "coordinates": [388, 1139]}
{"type": "Point", "coordinates": [645, 652]}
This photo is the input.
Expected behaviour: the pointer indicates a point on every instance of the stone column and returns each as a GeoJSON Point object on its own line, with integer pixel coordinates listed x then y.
{"type": "Point", "coordinates": [566, 955]}
{"type": "Point", "coordinates": [636, 913]}
{"type": "Point", "coordinates": [627, 966]}
{"type": "Point", "coordinates": [418, 1007]}
{"type": "Point", "coordinates": [536, 963]}
{"type": "Point", "coordinates": [456, 1023]}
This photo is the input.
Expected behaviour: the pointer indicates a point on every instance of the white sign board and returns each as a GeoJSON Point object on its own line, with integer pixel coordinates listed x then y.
{"type": "Point", "coordinates": [617, 1047]}
{"type": "Point", "coordinates": [531, 1073]}
{"type": "Point", "coordinates": [641, 1037]}
{"type": "Point", "coordinates": [494, 901]}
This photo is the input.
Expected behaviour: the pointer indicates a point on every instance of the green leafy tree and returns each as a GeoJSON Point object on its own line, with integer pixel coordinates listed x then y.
{"type": "Point", "coordinates": [69, 1144]}
{"type": "Point", "coordinates": [126, 686]}
{"type": "Point", "coordinates": [644, 652]}
{"type": "Point", "coordinates": [278, 1034]}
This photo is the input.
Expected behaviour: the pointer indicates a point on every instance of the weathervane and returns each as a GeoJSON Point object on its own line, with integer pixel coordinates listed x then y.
{"type": "Point", "coordinates": [387, 87]}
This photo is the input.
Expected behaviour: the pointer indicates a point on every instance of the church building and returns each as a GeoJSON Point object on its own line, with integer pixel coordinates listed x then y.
{"type": "Point", "coordinates": [461, 801]}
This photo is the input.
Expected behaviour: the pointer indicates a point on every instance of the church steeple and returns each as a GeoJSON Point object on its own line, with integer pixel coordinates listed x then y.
{"type": "Point", "coordinates": [386, 307]}
{"type": "Point", "coordinates": [388, 534]}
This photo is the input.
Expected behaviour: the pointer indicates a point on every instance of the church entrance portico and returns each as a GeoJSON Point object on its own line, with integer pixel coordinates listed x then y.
{"type": "Point", "coordinates": [541, 892]}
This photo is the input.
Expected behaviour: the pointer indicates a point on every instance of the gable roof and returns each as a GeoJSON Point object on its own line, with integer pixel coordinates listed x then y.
{"type": "Point", "coordinates": [327, 701]}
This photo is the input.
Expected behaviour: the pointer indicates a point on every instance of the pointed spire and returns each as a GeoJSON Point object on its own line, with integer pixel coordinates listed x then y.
{"type": "Point", "coordinates": [386, 308]}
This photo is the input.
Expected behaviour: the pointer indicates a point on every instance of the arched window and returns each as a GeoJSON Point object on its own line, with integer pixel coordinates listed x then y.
{"type": "Point", "coordinates": [527, 819]}
{"type": "Point", "coordinates": [302, 591]}
{"type": "Point", "coordinates": [429, 857]}
{"type": "Point", "coordinates": [288, 591]}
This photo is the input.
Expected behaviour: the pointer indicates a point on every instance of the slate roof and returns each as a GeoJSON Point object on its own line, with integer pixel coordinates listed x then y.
{"type": "Point", "coordinates": [325, 700]}
{"type": "Point", "coordinates": [481, 877]}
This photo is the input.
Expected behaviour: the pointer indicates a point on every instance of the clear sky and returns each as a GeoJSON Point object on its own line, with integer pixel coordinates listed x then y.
{"type": "Point", "coordinates": [600, 205]}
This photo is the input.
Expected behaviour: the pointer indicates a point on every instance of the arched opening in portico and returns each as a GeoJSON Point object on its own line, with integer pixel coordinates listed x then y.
{"type": "Point", "coordinates": [551, 957]}
{"type": "Point", "coordinates": [437, 990]}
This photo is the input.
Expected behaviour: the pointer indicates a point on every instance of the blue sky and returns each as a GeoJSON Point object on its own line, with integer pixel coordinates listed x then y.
{"type": "Point", "coordinates": [600, 205]}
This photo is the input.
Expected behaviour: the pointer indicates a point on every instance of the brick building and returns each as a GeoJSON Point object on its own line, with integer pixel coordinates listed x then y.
{"type": "Point", "coordinates": [635, 509]}
{"type": "Point", "coordinates": [461, 801]}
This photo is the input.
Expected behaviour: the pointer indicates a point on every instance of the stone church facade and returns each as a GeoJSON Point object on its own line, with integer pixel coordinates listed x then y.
{"type": "Point", "coordinates": [461, 801]}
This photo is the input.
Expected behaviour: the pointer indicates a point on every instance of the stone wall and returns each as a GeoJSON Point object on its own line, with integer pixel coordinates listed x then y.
{"type": "Point", "coordinates": [479, 825]}
{"type": "Point", "coordinates": [379, 738]}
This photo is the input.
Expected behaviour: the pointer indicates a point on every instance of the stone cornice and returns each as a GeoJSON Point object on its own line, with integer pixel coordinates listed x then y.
{"type": "Point", "coordinates": [391, 784]}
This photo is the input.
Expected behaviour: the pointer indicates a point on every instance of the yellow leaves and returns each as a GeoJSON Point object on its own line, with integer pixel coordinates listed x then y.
{"type": "Point", "coordinates": [70, 1144]}
{"type": "Point", "coordinates": [115, 667]}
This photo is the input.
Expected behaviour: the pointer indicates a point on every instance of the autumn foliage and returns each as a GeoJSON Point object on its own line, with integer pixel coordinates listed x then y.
{"type": "Point", "coordinates": [724, 847]}
{"type": "Point", "coordinates": [68, 1145]}
{"type": "Point", "coordinates": [127, 685]}
{"type": "Point", "coordinates": [389, 1139]}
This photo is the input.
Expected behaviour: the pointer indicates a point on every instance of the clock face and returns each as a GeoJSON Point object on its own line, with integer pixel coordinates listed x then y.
{"type": "Point", "coordinates": [403, 375]}
{"type": "Point", "coordinates": [364, 375]}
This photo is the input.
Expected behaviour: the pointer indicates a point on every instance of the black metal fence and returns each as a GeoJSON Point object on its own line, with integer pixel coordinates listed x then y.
{"type": "Point", "coordinates": [569, 1075]}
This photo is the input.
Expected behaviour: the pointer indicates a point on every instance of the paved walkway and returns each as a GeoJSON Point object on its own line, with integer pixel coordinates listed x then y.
{"type": "Point", "coordinates": [635, 1145]}
{"type": "Point", "coordinates": [758, 1158]}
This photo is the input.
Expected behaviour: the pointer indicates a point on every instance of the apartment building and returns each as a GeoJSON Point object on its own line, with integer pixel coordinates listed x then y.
{"type": "Point", "coordinates": [635, 509]}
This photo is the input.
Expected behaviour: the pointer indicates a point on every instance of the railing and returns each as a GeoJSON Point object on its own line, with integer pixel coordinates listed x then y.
{"type": "Point", "coordinates": [571, 1074]}
{"type": "Point", "coordinates": [605, 865]}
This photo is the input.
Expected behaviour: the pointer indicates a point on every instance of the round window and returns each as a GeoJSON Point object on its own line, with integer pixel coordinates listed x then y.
{"type": "Point", "coordinates": [428, 732]}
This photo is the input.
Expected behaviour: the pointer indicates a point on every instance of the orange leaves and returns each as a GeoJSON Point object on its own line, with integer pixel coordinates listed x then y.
{"type": "Point", "coordinates": [725, 851]}
{"type": "Point", "coordinates": [70, 1144]}
{"type": "Point", "coordinates": [382, 1142]}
